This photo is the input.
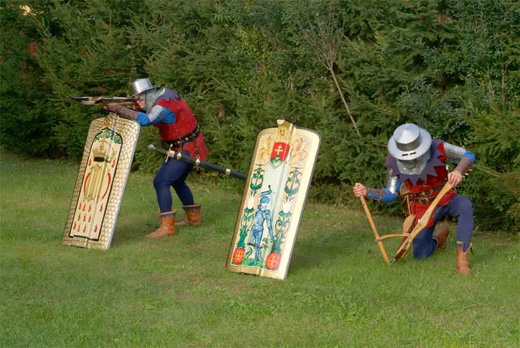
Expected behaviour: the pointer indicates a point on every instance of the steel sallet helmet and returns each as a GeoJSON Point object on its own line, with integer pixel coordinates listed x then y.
{"type": "Point", "coordinates": [147, 91]}
{"type": "Point", "coordinates": [141, 85]}
{"type": "Point", "coordinates": [410, 146]}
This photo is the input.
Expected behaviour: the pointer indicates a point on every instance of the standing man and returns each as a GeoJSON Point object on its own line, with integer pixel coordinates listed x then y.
{"type": "Point", "coordinates": [166, 110]}
{"type": "Point", "coordinates": [262, 214]}
{"type": "Point", "coordinates": [419, 162]}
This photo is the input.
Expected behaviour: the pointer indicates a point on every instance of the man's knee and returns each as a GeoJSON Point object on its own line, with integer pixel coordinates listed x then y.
{"type": "Point", "coordinates": [178, 184]}
{"type": "Point", "coordinates": [421, 253]}
{"type": "Point", "coordinates": [465, 207]}
{"type": "Point", "coordinates": [158, 182]}
{"type": "Point", "coordinates": [422, 246]}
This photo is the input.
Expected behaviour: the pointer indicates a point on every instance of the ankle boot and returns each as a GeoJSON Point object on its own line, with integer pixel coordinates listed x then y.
{"type": "Point", "coordinates": [193, 217]}
{"type": "Point", "coordinates": [462, 259]}
{"type": "Point", "coordinates": [440, 237]}
{"type": "Point", "coordinates": [166, 225]}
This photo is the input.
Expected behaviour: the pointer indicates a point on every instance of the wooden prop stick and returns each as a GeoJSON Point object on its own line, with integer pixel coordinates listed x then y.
{"type": "Point", "coordinates": [374, 229]}
{"type": "Point", "coordinates": [421, 224]}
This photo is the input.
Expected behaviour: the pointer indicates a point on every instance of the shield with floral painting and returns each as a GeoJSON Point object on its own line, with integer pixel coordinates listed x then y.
{"type": "Point", "coordinates": [272, 206]}
{"type": "Point", "coordinates": [100, 185]}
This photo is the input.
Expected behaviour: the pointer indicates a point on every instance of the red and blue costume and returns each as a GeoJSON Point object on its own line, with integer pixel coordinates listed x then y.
{"type": "Point", "coordinates": [177, 127]}
{"type": "Point", "coordinates": [423, 189]}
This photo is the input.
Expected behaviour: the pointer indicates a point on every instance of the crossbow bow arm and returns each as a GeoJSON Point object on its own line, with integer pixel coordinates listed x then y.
{"type": "Point", "coordinates": [374, 229]}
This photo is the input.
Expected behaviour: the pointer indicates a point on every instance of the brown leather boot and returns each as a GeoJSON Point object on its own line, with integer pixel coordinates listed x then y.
{"type": "Point", "coordinates": [193, 217]}
{"type": "Point", "coordinates": [462, 259]}
{"type": "Point", "coordinates": [166, 225]}
{"type": "Point", "coordinates": [440, 236]}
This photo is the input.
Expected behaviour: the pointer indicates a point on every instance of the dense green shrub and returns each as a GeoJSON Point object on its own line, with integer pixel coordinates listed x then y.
{"type": "Point", "coordinates": [450, 66]}
{"type": "Point", "coordinates": [27, 124]}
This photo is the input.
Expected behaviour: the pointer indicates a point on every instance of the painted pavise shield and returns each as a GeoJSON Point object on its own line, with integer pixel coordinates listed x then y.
{"type": "Point", "coordinates": [103, 173]}
{"type": "Point", "coordinates": [273, 201]}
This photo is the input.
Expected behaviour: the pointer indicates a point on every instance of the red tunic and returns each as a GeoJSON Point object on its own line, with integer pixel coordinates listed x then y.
{"type": "Point", "coordinates": [184, 124]}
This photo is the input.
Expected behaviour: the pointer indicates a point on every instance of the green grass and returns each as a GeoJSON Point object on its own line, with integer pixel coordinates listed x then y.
{"type": "Point", "coordinates": [175, 291]}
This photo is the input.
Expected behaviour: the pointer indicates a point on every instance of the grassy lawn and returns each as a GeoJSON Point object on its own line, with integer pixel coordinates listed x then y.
{"type": "Point", "coordinates": [175, 291]}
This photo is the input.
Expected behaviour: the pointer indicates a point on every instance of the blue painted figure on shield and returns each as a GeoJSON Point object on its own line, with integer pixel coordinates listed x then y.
{"type": "Point", "coordinates": [262, 214]}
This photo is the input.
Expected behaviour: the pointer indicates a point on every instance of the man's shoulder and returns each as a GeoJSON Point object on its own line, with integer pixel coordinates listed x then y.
{"type": "Point", "coordinates": [169, 95]}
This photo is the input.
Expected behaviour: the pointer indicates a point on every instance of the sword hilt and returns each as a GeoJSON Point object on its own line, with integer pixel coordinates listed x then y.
{"type": "Point", "coordinates": [151, 147]}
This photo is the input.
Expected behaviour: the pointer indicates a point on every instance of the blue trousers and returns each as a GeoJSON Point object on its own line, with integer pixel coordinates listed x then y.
{"type": "Point", "coordinates": [173, 174]}
{"type": "Point", "coordinates": [460, 207]}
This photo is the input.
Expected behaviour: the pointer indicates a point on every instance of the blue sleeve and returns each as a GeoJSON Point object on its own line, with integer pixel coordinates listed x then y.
{"type": "Point", "coordinates": [157, 114]}
{"type": "Point", "coordinates": [387, 197]}
{"type": "Point", "coordinates": [143, 119]}
{"type": "Point", "coordinates": [469, 155]}
{"type": "Point", "coordinates": [167, 116]}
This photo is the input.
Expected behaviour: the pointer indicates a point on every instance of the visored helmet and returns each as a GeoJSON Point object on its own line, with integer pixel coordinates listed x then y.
{"type": "Point", "coordinates": [409, 142]}
{"type": "Point", "coordinates": [410, 146]}
{"type": "Point", "coordinates": [141, 85]}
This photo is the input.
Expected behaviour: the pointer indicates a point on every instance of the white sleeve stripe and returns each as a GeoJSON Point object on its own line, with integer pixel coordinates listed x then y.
{"type": "Point", "coordinates": [155, 112]}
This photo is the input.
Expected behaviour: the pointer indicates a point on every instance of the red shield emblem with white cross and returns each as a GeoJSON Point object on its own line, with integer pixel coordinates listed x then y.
{"type": "Point", "coordinates": [279, 153]}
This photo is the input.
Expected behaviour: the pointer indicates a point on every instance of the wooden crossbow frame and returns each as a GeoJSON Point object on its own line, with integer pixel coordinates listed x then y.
{"type": "Point", "coordinates": [410, 231]}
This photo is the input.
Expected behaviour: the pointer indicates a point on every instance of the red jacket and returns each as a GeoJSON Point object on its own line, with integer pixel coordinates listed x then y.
{"type": "Point", "coordinates": [184, 124]}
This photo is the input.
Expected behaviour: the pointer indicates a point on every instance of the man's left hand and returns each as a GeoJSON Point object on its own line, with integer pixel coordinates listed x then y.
{"type": "Point", "coordinates": [454, 178]}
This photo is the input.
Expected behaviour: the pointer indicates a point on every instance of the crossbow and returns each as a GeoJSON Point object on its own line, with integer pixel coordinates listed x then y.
{"type": "Point", "coordinates": [104, 100]}
{"type": "Point", "coordinates": [410, 228]}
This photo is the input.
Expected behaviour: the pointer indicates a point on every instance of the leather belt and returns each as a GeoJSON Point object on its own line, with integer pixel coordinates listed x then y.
{"type": "Point", "coordinates": [417, 197]}
{"type": "Point", "coordinates": [185, 139]}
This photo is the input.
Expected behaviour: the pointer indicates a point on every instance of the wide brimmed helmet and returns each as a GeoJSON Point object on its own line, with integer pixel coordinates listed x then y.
{"type": "Point", "coordinates": [409, 142]}
{"type": "Point", "coordinates": [140, 86]}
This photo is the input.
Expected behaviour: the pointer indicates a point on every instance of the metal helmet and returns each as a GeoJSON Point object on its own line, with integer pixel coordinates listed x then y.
{"type": "Point", "coordinates": [410, 146]}
{"type": "Point", "coordinates": [141, 85]}
{"type": "Point", "coordinates": [409, 142]}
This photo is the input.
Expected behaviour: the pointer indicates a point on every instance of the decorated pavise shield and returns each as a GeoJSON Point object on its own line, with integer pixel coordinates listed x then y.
{"type": "Point", "coordinates": [100, 185]}
{"type": "Point", "coordinates": [272, 206]}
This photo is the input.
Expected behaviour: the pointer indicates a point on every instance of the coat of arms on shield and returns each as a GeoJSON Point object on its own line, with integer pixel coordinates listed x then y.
{"type": "Point", "coordinates": [272, 206]}
{"type": "Point", "coordinates": [103, 173]}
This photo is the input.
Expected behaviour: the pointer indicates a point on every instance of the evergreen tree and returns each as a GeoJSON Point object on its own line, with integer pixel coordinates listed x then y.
{"type": "Point", "coordinates": [450, 66]}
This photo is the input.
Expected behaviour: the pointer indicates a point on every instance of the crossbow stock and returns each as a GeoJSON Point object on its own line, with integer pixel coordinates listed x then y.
{"type": "Point", "coordinates": [104, 100]}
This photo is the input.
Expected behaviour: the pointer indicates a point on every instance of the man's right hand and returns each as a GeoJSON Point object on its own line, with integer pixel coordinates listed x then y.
{"type": "Point", "coordinates": [360, 190]}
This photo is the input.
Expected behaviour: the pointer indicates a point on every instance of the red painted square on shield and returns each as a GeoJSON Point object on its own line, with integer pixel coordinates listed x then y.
{"type": "Point", "coordinates": [281, 150]}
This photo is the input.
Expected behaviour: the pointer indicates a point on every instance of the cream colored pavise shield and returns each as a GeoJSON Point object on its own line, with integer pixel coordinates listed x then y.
{"type": "Point", "coordinates": [100, 185]}
{"type": "Point", "coordinates": [273, 202]}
